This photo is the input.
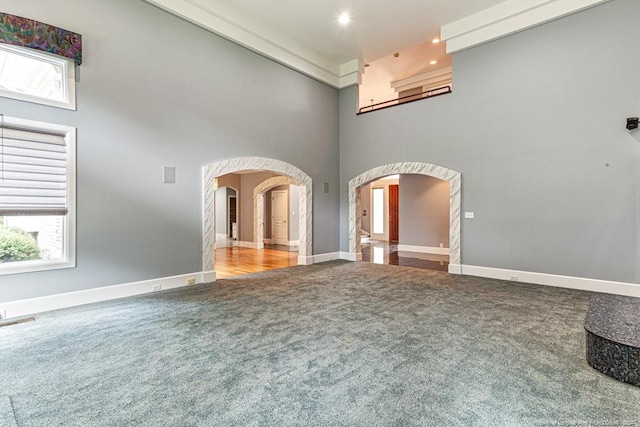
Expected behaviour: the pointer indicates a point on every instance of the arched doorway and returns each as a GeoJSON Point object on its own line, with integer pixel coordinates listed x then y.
{"type": "Point", "coordinates": [290, 172]}
{"type": "Point", "coordinates": [455, 183]}
{"type": "Point", "coordinates": [258, 205]}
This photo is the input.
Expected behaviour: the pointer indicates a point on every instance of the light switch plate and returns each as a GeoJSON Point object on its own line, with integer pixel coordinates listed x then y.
{"type": "Point", "coordinates": [469, 215]}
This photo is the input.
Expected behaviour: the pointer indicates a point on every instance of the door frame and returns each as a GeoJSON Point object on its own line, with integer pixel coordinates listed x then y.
{"type": "Point", "coordinates": [296, 175]}
{"type": "Point", "coordinates": [454, 179]}
{"type": "Point", "coordinates": [286, 211]}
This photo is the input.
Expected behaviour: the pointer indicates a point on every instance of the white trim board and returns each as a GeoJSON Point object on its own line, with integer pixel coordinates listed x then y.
{"type": "Point", "coordinates": [424, 249]}
{"type": "Point", "coordinates": [289, 242]}
{"type": "Point", "coordinates": [507, 18]}
{"type": "Point", "coordinates": [327, 257]}
{"type": "Point", "coordinates": [55, 302]}
{"type": "Point", "coordinates": [569, 282]}
{"type": "Point", "coordinates": [72, 299]}
{"type": "Point", "coordinates": [593, 285]}
{"type": "Point", "coordinates": [229, 22]}
{"type": "Point", "coordinates": [250, 245]}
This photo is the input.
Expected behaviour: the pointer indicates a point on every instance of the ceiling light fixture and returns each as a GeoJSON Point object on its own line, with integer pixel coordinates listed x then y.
{"type": "Point", "coordinates": [344, 18]}
{"type": "Point", "coordinates": [433, 62]}
{"type": "Point", "coordinates": [436, 40]}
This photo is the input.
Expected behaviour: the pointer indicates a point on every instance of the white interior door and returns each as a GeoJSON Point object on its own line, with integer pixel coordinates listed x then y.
{"type": "Point", "coordinates": [279, 226]}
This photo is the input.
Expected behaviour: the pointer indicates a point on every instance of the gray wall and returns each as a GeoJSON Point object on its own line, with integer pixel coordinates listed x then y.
{"type": "Point", "coordinates": [424, 211]}
{"type": "Point", "coordinates": [248, 182]}
{"type": "Point", "coordinates": [536, 126]}
{"type": "Point", "coordinates": [155, 90]}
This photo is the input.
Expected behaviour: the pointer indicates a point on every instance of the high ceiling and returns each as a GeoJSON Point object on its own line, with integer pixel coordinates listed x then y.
{"type": "Point", "coordinates": [378, 27]}
{"type": "Point", "coordinates": [306, 35]}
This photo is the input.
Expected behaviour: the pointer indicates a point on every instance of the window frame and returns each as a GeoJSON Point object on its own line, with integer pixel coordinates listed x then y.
{"type": "Point", "coordinates": [68, 77]}
{"type": "Point", "coordinates": [68, 259]}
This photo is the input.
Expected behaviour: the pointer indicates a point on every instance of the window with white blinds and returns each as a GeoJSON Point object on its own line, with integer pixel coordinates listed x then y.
{"type": "Point", "coordinates": [37, 195]}
{"type": "Point", "coordinates": [33, 172]}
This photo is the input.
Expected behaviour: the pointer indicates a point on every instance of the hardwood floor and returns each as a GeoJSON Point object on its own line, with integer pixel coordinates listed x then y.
{"type": "Point", "coordinates": [378, 252]}
{"type": "Point", "coordinates": [235, 261]}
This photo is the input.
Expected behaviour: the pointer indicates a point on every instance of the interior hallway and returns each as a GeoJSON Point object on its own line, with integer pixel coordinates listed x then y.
{"type": "Point", "coordinates": [379, 252]}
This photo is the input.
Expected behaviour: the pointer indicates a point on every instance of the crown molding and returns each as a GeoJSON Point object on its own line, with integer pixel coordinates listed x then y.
{"type": "Point", "coordinates": [233, 25]}
{"type": "Point", "coordinates": [351, 73]}
{"type": "Point", "coordinates": [507, 18]}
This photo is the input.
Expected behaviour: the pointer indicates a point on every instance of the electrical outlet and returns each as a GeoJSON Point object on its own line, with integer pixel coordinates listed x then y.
{"type": "Point", "coordinates": [156, 288]}
{"type": "Point", "coordinates": [514, 278]}
{"type": "Point", "coordinates": [442, 245]}
{"type": "Point", "coordinates": [191, 281]}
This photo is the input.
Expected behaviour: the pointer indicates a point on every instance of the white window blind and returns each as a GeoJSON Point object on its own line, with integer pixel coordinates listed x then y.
{"type": "Point", "coordinates": [33, 172]}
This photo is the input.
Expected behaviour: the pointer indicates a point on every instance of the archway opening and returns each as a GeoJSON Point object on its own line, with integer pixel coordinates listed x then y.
{"type": "Point", "coordinates": [274, 173]}
{"type": "Point", "coordinates": [452, 177]}
{"type": "Point", "coordinates": [405, 221]}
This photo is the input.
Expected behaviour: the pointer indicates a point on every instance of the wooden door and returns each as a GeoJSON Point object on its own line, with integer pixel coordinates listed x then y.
{"type": "Point", "coordinates": [233, 214]}
{"type": "Point", "coordinates": [394, 210]}
{"type": "Point", "coordinates": [279, 226]}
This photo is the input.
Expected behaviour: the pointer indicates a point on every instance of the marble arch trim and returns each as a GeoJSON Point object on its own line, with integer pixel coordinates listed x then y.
{"type": "Point", "coordinates": [455, 183]}
{"type": "Point", "coordinates": [210, 172]}
{"type": "Point", "coordinates": [258, 205]}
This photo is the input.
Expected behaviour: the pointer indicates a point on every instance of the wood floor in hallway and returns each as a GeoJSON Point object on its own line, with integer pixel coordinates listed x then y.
{"type": "Point", "coordinates": [380, 252]}
{"type": "Point", "coordinates": [235, 261]}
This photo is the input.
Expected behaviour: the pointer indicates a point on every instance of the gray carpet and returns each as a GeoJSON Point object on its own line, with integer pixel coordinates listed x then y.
{"type": "Point", "coordinates": [334, 344]}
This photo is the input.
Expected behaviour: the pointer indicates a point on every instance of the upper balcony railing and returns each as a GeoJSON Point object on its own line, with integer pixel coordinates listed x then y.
{"type": "Point", "coordinates": [431, 93]}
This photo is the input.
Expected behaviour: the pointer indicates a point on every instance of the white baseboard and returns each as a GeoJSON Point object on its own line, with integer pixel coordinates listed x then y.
{"type": "Point", "coordinates": [250, 245]}
{"type": "Point", "coordinates": [424, 249]}
{"type": "Point", "coordinates": [226, 244]}
{"type": "Point", "coordinates": [72, 299]}
{"type": "Point", "coordinates": [326, 257]}
{"type": "Point", "coordinates": [351, 256]}
{"type": "Point", "coordinates": [207, 277]}
{"type": "Point", "coordinates": [455, 269]}
{"type": "Point", "coordinates": [593, 285]}
{"type": "Point", "coordinates": [305, 260]}
{"type": "Point", "coordinates": [288, 243]}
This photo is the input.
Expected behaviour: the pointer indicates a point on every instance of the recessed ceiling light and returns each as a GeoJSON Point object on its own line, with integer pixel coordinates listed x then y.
{"type": "Point", "coordinates": [433, 62]}
{"type": "Point", "coordinates": [344, 19]}
{"type": "Point", "coordinates": [436, 40]}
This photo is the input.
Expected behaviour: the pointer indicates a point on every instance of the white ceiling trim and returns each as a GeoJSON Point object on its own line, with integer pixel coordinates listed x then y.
{"type": "Point", "coordinates": [351, 73]}
{"type": "Point", "coordinates": [254, 35]}
{"type": "Point", "coordinates": [507, 18]}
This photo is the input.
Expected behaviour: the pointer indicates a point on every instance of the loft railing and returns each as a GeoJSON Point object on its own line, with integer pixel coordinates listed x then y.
{"type": "Point", "coordinates": [406, 99]}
